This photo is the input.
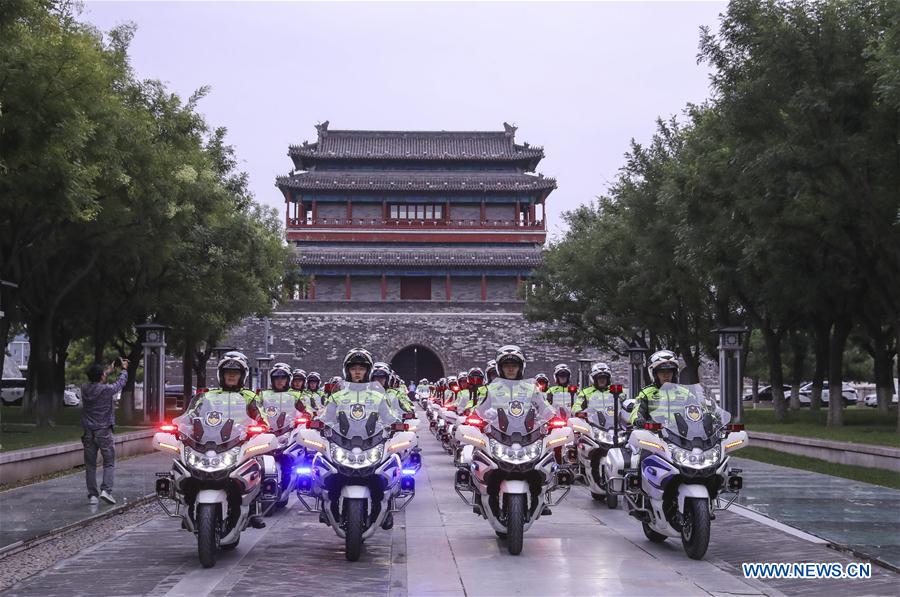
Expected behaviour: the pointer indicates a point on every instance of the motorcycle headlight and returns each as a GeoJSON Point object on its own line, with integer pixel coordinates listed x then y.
{"type": "Point", "coordinates": [357, 458]}
{"type": "Point", "coordinates": [603, 435]}
{"type": "Point", "coordinates": [696, 458]}
{"type": "Point", "coordinates": [211, 461]}
{"type": "Point", "coordinates": [516, 454]}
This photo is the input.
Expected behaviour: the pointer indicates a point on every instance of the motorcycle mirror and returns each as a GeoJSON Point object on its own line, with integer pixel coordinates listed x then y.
{"type": "Point", "coordinates": [581, 415]}
{"type": "Point", "coordinates": [315, 425]}
{"type": "Point", "coordinates": [399, 427]}
{"type": "Point", "coordinates": [408, 416]}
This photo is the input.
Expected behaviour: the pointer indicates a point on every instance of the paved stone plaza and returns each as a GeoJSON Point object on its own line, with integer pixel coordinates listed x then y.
{"type": "Point", "coordinates": [438, 547]}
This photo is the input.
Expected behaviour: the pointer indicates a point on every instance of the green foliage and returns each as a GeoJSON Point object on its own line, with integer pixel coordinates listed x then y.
{"type": "Point", "coordinates": [774, 205]}
{"type": "Point", "coordinates": [122, 203]}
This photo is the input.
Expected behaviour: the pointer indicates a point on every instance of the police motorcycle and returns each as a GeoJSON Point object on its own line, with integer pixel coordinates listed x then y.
{"type": "Point", "coordinates": [508, 465]}
{"type": "Point", "coordinates": [451, 413]}
{"type": "Point", "coordinates": [423, 392]}
{"type": "Point", "coordinates": [280, 415]}
{"type": "Point", "coordinates": [356, 479]}
{"type": "Point", "coordinates": [599, 434]}
{"type": "Point", "coordinates": [220, 463]}
{"type": "Point", "coordinates": [445, 412]}
{"type": "Point", "coordinates": [684, 474]}
{"type": "Point", "coordinates": [432, 408]}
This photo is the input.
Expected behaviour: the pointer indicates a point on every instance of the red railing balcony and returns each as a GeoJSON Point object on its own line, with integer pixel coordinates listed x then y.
{"type": "Point", "coordinates": [414, 225]}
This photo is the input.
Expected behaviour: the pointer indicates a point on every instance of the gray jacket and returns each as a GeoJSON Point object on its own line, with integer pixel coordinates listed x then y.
{"type": "Point", "coordinates": [98, 406]}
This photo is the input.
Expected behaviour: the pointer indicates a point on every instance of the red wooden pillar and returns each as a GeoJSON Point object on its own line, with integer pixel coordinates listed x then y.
{"type": "Point", "coordinates": [312, 287]}
{"type": "Point", "coordinates": [383, 287]}
{"type": "Point", "coordinates": [518, 212]}
{"type": "Point", "coordinates": [347, 287]}
{"type": "Point", "coordinates": [447, 288]}
{"type": "Point", "coordinates": [287, 214]}
{"type": "Point", "coordinates": [314, 212]}
{"type": "Point", "coordinates": [532, 213]}
{"type": "Point", "coordinates": [349, 210]}
{"type": "Point", "coordinates": [446, 211]}
{"type": "Point", "coordinates": [483, 211]}
{"type": "Point", "coordinates": [483, 287]}
{"type": "Point", "coordinates": [384, 210]}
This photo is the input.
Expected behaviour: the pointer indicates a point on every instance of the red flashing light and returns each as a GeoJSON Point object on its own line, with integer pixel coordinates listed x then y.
{"type": "Point", "coordinates": [452, 408]}
{"type": "Point", "coordinates": [400, 427]}
{"type": "Point", "coordinates": [557, 423]}
{"type": "Point", "coordinates": [616, 388]}
{"type": "Point", "coordinates": [256, 429]}
{"type": "Point", "coordinates": [475, 421]}
{"type": "Point", "coordinates": [653, 426]}
{"type": "Point", "coordinates": [168, 428]}
{"type": "Point", "coordinates": [301, 421]}
{"type": "Point", "coordinates": [581, 414]}
{"type": "Point", "coordinates": [734, 427]}
{"type": "Point", "coordinates": [201, 391]}
{"type": "Point", "coordinates": [454, 388]}
{"type": "Point", "coordinates": [573, 389]}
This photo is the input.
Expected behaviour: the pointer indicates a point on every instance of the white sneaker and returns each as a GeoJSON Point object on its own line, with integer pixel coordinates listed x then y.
{"type": "Point", "coordinates": [93, 501]}
{"type": "Point", "coordinates": [107, 497]}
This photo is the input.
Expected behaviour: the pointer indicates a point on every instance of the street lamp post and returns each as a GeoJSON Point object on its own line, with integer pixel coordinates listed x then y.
{"type": "Point", "coordinates": [731, 378]}
{"type": "Point", "coordinates": [637, 354]}
{"type": "Point", "coordinates": [264, 363]}
{"type": "Point", "coordinates": [154, 343]}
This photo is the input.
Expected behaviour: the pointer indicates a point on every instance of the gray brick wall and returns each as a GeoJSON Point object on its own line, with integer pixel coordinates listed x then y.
{"type": "Point", "coordinates": [465, 212]}
{"type": "Point", "coordinates": [365, 288]}
{"type": "Point", "coordinates": [500, 212]}
{"type": "Point", "coordinates": [367, 210]}
{"type": "Point", "coordinates": [466, 288]}
{"type": "Point", "coordinates": [329, 288]}
{"type": "Point", "coordinates": [331, 210]}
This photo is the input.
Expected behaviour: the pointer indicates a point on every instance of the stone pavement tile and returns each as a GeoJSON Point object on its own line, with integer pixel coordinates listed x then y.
{"type": "Point", "coordinates": [33, 510]}
{"type": "Point", "coordinates": [843, 511]}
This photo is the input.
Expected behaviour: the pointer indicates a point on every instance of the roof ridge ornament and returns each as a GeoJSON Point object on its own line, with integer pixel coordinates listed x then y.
{"type": "Point", "coordinates": [510, 129]}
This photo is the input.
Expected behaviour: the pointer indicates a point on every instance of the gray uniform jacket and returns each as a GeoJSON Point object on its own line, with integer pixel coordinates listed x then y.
{"type": "Point", "coordinates": [98, 406]}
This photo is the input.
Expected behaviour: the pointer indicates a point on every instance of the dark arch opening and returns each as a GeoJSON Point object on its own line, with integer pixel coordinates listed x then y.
{"type": "Point", "coordinates": [415, 362]}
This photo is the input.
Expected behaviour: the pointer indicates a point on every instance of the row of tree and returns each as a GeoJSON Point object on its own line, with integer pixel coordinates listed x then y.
{"type": "Point", "coordinates": [119, 204]}
{"type": "Point", "coordinates": [774, 205]}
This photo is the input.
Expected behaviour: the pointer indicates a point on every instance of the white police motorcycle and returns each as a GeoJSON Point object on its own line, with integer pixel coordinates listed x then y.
{"type": "Point", "coordinates": [217, 473]}
{"type": "Point", "coordinates": [508, 464]}
{"type": "Point", "coordinates": [599, 433]}
{"type": "Point", "coordinates": [356, 478]}
{"type": "Point", "coordinates": [684, 474]}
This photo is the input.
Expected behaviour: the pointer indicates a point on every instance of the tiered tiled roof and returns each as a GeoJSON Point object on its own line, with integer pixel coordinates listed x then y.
{"type": "Point", "coordinates": [392, 180]}
{"type": "Point", "coordinates": [421, 256]}
{"type": "Point", "coordinates": [417, 145]}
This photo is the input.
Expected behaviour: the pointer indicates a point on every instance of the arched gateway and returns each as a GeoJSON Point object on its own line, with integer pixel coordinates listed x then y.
{"type": "Point", "coordinates": [415, 362]}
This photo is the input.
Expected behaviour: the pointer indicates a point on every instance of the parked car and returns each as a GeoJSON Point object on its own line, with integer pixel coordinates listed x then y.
{"type": "Point", "coordinates": [72, 396]}
{"type": "Point", "coordinates": [871, 400]}
{"type": "Point", "coordinates": [765, 393]}
{"type": "Point", "coordinates": [851, 396]}
{"type": "Point", "coordinates": [12, 391]}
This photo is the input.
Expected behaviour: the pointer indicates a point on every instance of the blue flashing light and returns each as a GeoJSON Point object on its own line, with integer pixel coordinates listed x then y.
{"type": "Point", "coordinates": [409, 472]}
{"type": "Point", "coordinates": [304, 471]}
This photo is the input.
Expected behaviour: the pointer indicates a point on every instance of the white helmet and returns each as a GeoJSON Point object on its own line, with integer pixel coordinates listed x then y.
{"type": "Point", "coordinates": [511, 352]}
{"type": "Point", "coordinates": [562, 367]}
{"type": "Point", "coordinates": [358, 356]}
{"type": "Point", "coordinates": [662, 359]}
{"type": "Point", "coordinates": [279, 370]}
{"type": "Point", "coordinates": [236, 361]}
{"type": "Point", "coordinates": [601, 369]}
{"type": "Point", "coordinates": [382, 368]}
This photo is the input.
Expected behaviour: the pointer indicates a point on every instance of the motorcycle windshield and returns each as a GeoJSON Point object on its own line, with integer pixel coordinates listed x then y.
{"type": "Point", "coordinates": [358, 414]}
{"type": "Point", "coordinates": [278, 410]}
{"type": "Point", "coordinates": [688, 417]}
{"type": "Point", "coordinates": [516, 410]}
{"type": "Point", "coordinates": [601, 411]}
{"type": "Point", "coordinates": [219, 421]}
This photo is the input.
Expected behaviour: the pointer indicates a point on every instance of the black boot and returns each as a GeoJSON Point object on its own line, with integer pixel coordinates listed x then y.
{"type": "Point", "coordinates": [388, 523]}
{"type": "Point", "coordinates": [257, 522]}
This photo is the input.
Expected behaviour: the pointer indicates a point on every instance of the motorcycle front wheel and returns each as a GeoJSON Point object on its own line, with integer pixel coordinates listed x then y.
{"type": "Point", "coordinates": [207, 534]}
{"type": "Point", "coordinates": [515, 523]}
{"type": "Point", "coordinates": [355, 516]}
{"type": "Point", "coordinates": [695, 528]}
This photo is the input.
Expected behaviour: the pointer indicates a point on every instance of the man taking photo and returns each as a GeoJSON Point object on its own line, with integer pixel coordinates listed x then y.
{"type": "Point", "coordinates": [98, 419]}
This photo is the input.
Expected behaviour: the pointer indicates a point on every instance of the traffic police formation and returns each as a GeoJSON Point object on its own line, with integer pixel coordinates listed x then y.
{"type": "Point", "coordinates": [348, 448]}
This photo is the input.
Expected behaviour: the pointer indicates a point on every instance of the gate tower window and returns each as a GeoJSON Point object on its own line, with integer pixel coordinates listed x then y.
{"type": "Point", "coordinates": [415, 289]}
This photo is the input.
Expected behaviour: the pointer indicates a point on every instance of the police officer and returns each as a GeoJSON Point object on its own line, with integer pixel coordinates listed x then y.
{"type": "Point", "coordinates": [298, 380]}
{"type": "Point", "coordinates": [491, 371]}
{"type": "Point", "coordinates": [358, 366]}
{"type": "Point", "coordinates": [542, 381]}
{"type": "Point", "coordinates": [559, 393]}
{"type": "Point", "coordinates": [663, 368]}
{"type": "Point", "coordinates": [313, 396]}
{"type": "Point", "coordinates": [597, 394]}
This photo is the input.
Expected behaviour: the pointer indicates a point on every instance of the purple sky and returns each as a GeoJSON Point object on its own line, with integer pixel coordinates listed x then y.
{"type": "Point", "coordinates": [581, 79]}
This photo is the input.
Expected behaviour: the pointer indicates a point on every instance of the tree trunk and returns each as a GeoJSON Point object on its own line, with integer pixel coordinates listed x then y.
{"type": "Point", "coordinates": [776, 376]}
{"type": "Point", "coordinates": [691, 372]}
{"type": "Point", "coordinates": [884, 382]}
{"type": "Point", "coordinates": [187, 378]}
{"type": "Point", "coordinates": [836, 371]}
{"type": "Point", "coordinates": [821, 366]}
{"type": "Point", "coordinates": [797, 365]}
{"type": "Point", "coordinates": [755, 390]}
{"type": "Point", "coordinates": [44, 371]}
{"type": "Point", "coordinates": [5, 325]}
{"type": "Point", "coordinates": [199, 364]}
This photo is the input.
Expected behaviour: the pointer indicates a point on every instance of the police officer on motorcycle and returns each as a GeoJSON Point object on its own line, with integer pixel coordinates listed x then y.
{"type": "Point", "coordinates": [559, 393]}
{"type": "Point", "coordinates": [663, 368]}
{"type": "Point", "coordinates": [600, 375]}
{"type": "Point", "coordinates": [298, 380]}
{"type": "Point", "coordinates": [313, 395]}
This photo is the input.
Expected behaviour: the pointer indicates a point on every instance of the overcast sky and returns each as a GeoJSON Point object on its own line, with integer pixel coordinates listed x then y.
{"type": "Point", "coordinates": [580, 79]}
